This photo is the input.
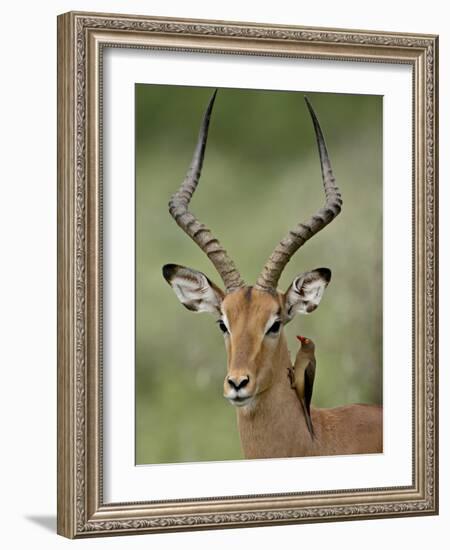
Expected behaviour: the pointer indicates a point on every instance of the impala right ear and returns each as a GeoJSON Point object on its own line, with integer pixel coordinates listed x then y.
{"type": "Point", "coordinates": [306, 291]}
{"type": "Point", "coordinates": [194, 290]}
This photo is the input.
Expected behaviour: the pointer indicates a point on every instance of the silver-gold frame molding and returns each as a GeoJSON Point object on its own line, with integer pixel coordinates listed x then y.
{"type": "Point", "coordinates": [81, 39]}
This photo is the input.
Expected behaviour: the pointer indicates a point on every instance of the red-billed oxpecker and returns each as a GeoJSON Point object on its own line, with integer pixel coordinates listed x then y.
{"type": "Point", "coordinates": [301, 376]}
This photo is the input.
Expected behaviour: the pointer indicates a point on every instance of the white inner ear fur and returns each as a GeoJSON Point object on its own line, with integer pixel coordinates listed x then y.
{"type": "Point", "coordinates": [195, 292]}
{"type": "Point", "coordinates": [305, 293]}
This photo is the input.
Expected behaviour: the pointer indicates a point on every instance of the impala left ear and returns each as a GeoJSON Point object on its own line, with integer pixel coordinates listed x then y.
{"type": "Point", "coordinates": [306, 291]}
{"type": "Point", "coordinates": [193, 288]}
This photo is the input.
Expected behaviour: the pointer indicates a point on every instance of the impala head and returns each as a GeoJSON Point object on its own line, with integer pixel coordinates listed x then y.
{"type": "Point", "coordinates": [251, 317]}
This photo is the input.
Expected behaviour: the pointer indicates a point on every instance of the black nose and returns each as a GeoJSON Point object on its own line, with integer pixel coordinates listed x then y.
{"type": "Point", "coordinates": [238, 382]}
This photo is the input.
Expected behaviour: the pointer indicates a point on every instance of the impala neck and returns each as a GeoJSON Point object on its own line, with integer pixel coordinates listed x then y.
{"type": "Point", "coordinates": [275, 425]}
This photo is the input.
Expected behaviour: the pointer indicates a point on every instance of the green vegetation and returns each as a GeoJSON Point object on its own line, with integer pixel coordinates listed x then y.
{"type": "Point", "coordinates": [261, 175]}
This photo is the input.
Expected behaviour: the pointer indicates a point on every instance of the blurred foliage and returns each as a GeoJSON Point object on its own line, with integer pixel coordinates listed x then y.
{"type": "Point", "coordinates": [261, 175]}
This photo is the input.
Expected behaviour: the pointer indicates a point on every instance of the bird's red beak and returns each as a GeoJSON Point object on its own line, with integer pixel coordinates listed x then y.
{"type": "Point", "coordinates": [303, 339]}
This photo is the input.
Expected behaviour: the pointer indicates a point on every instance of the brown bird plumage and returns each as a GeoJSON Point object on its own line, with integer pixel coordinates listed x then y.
{"type": "Point", "coordinates": [301, 376]}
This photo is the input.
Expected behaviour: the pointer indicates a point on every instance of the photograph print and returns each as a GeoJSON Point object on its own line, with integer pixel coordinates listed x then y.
{"type": "Point", "coordinates": [261, 210]}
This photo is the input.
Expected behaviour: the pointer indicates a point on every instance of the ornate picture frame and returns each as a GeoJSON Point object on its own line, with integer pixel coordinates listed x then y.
{"type": "Point", "coordinates": [82, 40]}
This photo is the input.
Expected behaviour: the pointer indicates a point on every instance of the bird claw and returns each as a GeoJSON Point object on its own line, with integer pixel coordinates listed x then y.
{"type": "Point", "coordinates": [291, 376]}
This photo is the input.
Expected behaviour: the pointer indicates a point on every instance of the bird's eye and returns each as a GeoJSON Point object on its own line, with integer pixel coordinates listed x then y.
{"type": "Point", "coordinates": [274, 329]}
{"type": "Point", "coordinates": [222, 326]}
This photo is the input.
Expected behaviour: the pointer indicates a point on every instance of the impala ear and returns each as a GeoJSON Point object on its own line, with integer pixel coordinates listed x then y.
{"type": "Point", "coordinates": [306, 291]}
{"type": "Point", "coordinates": [194, 290]}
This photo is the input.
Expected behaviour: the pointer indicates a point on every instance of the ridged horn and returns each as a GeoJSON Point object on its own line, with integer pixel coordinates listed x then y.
{"type": "Point", "coordinates": [199, 233]}
{"type": "Point", "coordinates": [270, 275]}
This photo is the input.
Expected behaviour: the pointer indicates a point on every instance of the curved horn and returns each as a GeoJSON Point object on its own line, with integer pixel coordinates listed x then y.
{"type": "Point", "coordinates": [270, 275]}
{"type": "Point", "coordinates": [178, 208]}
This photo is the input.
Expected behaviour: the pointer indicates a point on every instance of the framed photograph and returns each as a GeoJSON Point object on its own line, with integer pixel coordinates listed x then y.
{"type": "Point", "coordinates": [282, 182]}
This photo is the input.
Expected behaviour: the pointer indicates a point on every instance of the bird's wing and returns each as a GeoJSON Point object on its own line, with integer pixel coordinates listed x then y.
{"type": "Point", "coordinates": [307, 418]}
{"type": "Point", "coordinates": [310, 373]}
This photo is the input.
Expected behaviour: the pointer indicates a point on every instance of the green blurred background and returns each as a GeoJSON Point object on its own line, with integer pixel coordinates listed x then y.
{"type": "Point", "coordinates": [261, 175]}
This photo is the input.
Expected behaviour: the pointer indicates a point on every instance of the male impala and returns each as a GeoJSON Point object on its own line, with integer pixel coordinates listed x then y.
{"type": "Point", "coordinates": [270, 417]}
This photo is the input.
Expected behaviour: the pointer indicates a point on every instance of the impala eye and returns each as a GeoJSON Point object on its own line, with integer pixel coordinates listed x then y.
{"type": "Point", "coordinates": [222, 326]}
{"type": "Point", "coordinates": [275, 328]}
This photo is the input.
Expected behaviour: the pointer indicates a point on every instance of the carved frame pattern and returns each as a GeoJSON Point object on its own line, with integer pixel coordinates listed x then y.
{"type": "Point", "coordinates": [81, 37]}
